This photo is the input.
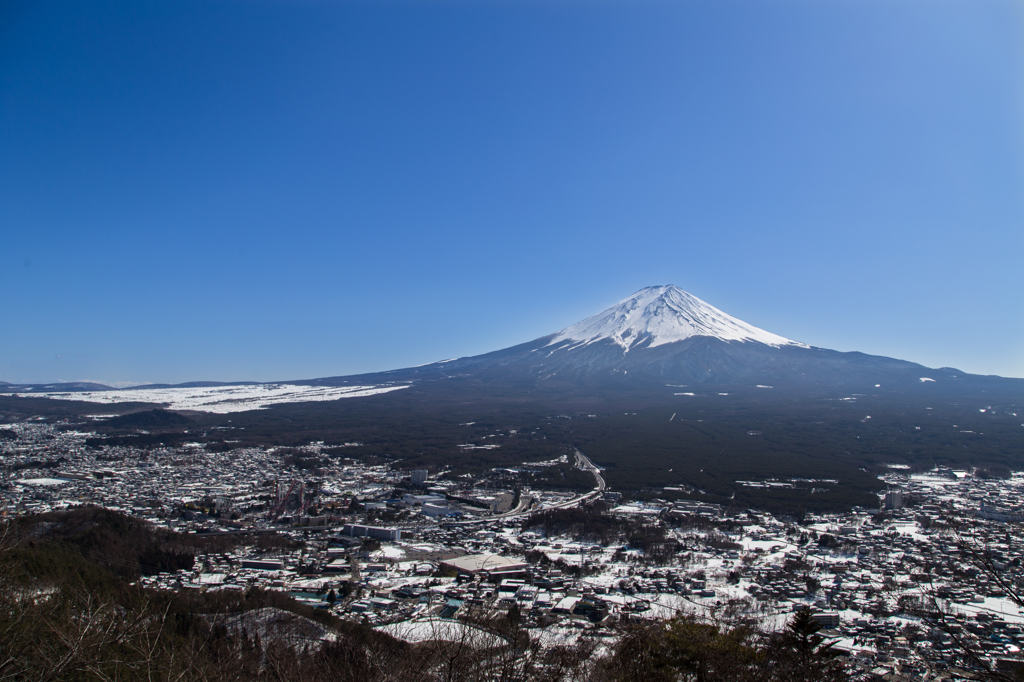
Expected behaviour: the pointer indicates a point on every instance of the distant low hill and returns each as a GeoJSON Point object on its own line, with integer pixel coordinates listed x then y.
{"type": "Point", "coordinates": [85, 386]}
{"type": "Point", "coordinates": [151, 419]}
{"type": "Point", "coordinates": [69, 387]}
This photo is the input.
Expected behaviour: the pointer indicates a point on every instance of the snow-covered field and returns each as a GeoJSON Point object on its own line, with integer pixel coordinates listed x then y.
{"type": "Point", "coordinates": [439, 629]}
{"type": "Point", "coordinates": [224, 399]}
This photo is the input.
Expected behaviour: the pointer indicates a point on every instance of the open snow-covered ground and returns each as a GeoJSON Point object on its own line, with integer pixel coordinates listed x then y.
{"type": "Point", "coordinates": [224, 399]}
{"type": "Point", "coordinates": [439, 629]}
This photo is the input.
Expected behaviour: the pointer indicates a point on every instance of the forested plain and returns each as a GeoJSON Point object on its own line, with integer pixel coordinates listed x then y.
{"type": "Point", "coordinates": [819, 449]}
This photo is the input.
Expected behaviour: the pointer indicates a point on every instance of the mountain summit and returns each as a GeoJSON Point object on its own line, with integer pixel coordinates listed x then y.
{"type": "Point", "coordinates": [655, 316]}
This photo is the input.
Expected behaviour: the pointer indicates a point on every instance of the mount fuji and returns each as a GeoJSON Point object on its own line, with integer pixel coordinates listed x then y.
{"type": "Point", "coordinates": [661, 335]}
{"type": "Point", "coordinates": [664, 335]}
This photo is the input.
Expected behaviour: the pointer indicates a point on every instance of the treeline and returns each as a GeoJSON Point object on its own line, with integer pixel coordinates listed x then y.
{"type": "Point", "coordinates": [86, 538]}
{"type": "Point", "coordinates": [588, 522]}
{"type": "Point", "coordinates": [684, 649]}
{"type": "Point", "coordinates": [57, 544]}
{"type": "Point", "coordinates": [592, 523]}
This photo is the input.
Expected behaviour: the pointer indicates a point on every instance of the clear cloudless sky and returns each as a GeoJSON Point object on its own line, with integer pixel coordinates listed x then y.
{"type": "Point", "coordinates": [258, 190]}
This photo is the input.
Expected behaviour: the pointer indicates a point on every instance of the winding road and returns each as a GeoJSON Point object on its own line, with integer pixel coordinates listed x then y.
{"type": "Point", "coordinates": [582, 462]}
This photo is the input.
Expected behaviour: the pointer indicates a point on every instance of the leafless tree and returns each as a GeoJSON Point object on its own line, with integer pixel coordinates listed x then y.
{"type": "Point", "coordinates": [973, 563]}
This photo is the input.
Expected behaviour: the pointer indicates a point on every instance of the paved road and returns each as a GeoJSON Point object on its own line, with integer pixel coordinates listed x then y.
{"type": "Point", "coordinates": [582, 462]}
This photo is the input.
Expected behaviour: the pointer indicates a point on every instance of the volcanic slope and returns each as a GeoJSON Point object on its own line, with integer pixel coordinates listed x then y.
{"type": "Point", "coordinates": [661, 335]}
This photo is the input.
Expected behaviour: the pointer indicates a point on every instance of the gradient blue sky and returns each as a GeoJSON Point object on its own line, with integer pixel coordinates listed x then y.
{"type": "Point", "coordinates": [243, 190]}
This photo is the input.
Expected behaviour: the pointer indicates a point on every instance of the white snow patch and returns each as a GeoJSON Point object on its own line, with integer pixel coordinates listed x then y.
{"type": "Point", "coordinates": [225, 399]}
{"type": "Point", "coordinates": [391, 552]}
{"type": "Point", "coordinates": [43, 481]}
{"type": "Point", "coordinates": [438, 629]}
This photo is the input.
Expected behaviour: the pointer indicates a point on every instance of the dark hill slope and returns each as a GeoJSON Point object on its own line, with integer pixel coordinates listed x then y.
{"type": "Point", "coordinates": [150, 419]}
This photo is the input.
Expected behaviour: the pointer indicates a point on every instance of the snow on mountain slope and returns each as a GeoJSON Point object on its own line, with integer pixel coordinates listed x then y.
{"type": "Point", "coordinates": [222, 399]}
{"type": "Point", "coordinates": [655, 316]}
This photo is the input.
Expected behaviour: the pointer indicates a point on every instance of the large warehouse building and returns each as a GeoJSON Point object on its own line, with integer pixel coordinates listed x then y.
{"type": "Point", "coordinates": [486, 564]}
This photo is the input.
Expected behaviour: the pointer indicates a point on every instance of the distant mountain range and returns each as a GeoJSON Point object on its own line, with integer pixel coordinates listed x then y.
{"type": "Point", "coordinates": [659, 335]}
{"type": "Point", "coordinates": [87, 387]}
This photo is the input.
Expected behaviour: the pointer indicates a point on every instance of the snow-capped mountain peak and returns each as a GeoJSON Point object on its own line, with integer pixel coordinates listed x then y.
{"type": "Point", "coordinates": [661, 315]}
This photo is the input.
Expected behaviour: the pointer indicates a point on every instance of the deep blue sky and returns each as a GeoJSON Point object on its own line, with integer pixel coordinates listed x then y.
{"type": "Point", "coordinates": [277, 190]}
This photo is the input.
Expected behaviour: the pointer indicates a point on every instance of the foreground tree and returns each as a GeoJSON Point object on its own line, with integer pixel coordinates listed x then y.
{"type": "Point", "coordinates": [683, 649]}
{"type": "Point", "coordinates": [984, 563]}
